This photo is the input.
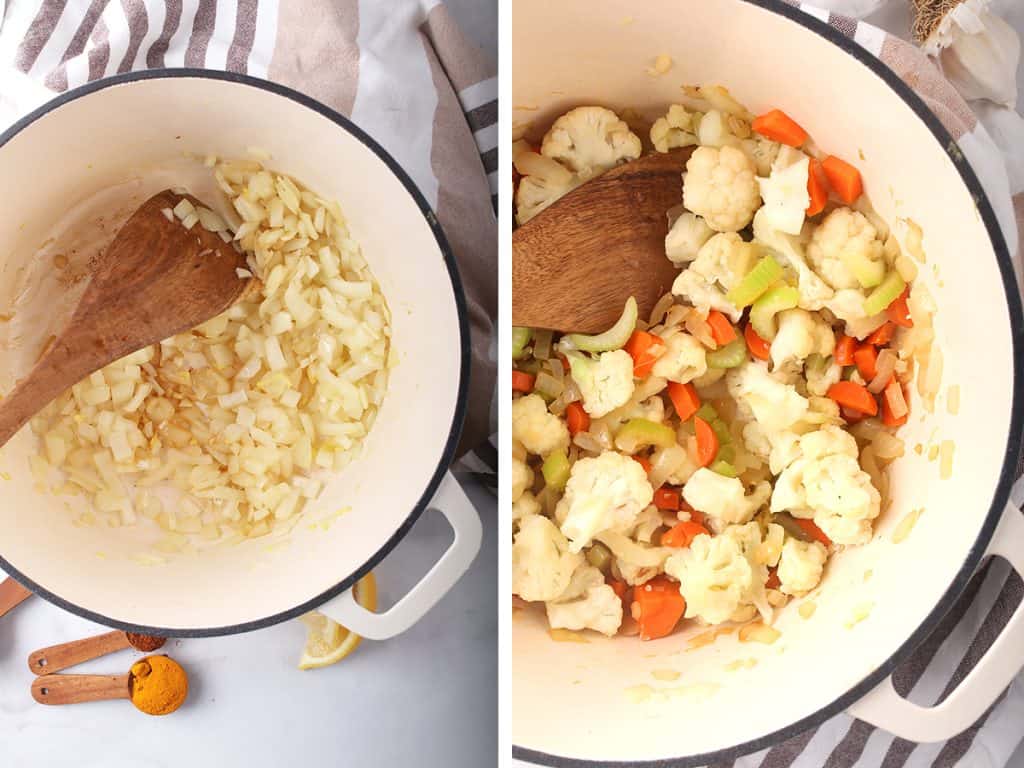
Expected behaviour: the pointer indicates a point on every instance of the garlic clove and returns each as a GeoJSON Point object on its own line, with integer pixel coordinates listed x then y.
{"type": "Point", "coordinates": [977, 50]}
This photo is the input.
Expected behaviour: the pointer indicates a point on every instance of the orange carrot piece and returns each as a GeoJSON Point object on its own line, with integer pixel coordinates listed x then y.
{"type": "Point", "coordinates": [758, 347]}
{"type": "Point", "coordinates": [577, 419]}
{"type": "Point", "coordinates": [668, 499]}
{"type": "Point", "coordinates": [843, 178]}
{"type": "Point", "coordinates": [645, 349]}
{"type": "Point", "coordinates": [657, 607]}
{"type": "Point", "coordinates": [721, 329]}
{"type": "Point", "coordinates": [522, 382]}
{"type": "Point", "coordinates": [773, 579]}
{"type": "Point", "coordinates": [851, 417]}
{"type": "Point", "coordinates": [816, 188]}
{"type": "Point", "coordinates": [894, 401]}
{"type": "Point", "coordinates": [684, 399]}
{"type": "Point", "coordinates": [643, 463]}
{"type": "Point", "coordinates": [778, 126]}
{"type": "Point", "coordinates": [682, 534]}
{"type": "Point", "coordinates": [898, 311]}
{"type": "Point", "coordinates": [882, 336]}
{"type": "Point", "coordinates": [707, 441]}
{"type": "Point", "coordinates": [845, 348]}
{"type": "Point", "coordinates": [620, 588]}
{"type": "Point", "coordinates": [854, 396]}
{"type": "Point", "coordinates": [813, 531]}
{"type": "Point", "coordinates": [866, 360]}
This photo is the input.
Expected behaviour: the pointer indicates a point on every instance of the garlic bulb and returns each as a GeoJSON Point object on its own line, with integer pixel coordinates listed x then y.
{"type": "Point", "coordinates": [978, 51]}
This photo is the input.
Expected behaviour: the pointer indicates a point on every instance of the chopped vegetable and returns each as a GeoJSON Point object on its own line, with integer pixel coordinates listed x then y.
{"type": "Point", "coordinates": [614, 338]}
{"type": "Point", "coordinates": [556, 470]}
{"type": "Point", "coordinates": [813, 531]}
{"type": "Point", "coordinates": [721, 329]}
{"type": "Point", "coordinates": [600, 557]}
{"type": "Point", "coordinates": [729, 356]}
{"type": "Point", "coordinates": [669, 499]}
{"type": "Point", "coordinates": [843, 178]}
{"type": "Point", "coordinates": [882, 336]}
{"type": "Point", "coordinates": [643, 462]}
{"type": "Point", "coordinates": [639, 433]}
{"type": "Point", "coordinates": [886, 293]}
{"type": "Point", "coordinates": [854, 396]}
{"type": "Point", "coordinates": [657, 607]}
{"type": "Point", "coordinates": [707, 442]}
{"type": "Point", "coordinates": [758, 347]}
{"type": "Point", "coordinates": [758, 280]}
{"type": "Point", "coordinates": [577, 419]}
{"type": "Point", "coordinates": [845, 348]}
{"type": "Point", "coordinates": [723, 467]}
{"type": "Point", "coordinates": [520, 338]}
{"type": "Point", "coordinates": [522, 382]}
{"type": "Point", "coordinates": [869, 272]}
{"type": "Point", "coordinates": [681, 534]}
{"type": "Point", "coordinates": [816, 188]}
{"type": "Point", "coordinates": [866, 360]}
{"type": "Point", "coordinates": [894, 405]}
{"type": "Point", "coordinates": [778, 126]}
{"type": "Point", "coordinates": [619, 588]}
{"type": "Point", "coordinates": [762, 314]}
{"type": "Point", "coordinates": [684, 399]}
{"type": "Point", "coordinates": [898, 312]}
{"type": "Point", "coordinates": [645, 349]}
{"type": "Point", "coordinates": [773, 581]}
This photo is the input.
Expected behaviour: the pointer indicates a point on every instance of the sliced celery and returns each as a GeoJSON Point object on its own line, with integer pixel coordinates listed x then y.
{"type": "Point", "coordinates": [868, 272]}
{"type": "Point", "coordinates": [762, 314]}
{"type": "Point", "coordinates": [721, 431]}
{"type": "Point", "coordinates": [614, 338]}
{"type": "Point", "coordinates": [556, 471]}
{"type": "Point", "coordinates": [757, 281]}
{"type": "Point", "coordinates": [600, 557]}
{"type": "Point", "coordinates": [723, 468]}
{"type": "Point", "coordinates": [732, 354]}
{"type": "Point", "coordinates": [708, 413]}
{"type": "Point", "coordinates": [638, 433]}
{"type": "Point", "coordinates": [520, 338]}
{"type": "Point", "coordinates": [885, 294]}
{"type": "Point", "coordinates": [726, 452]}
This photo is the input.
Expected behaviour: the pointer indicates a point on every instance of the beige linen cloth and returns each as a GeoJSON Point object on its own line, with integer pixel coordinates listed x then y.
{"type": "Point", "coordinates": [401, 69]}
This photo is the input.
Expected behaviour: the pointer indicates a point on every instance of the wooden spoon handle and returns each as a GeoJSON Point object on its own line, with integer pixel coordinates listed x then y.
{"type": "Point", "coordinates": [11, 594]}
{"type": "Point", "coordinates": [75, 689]}
{"type": "Point", "coordinates": [46, 661]}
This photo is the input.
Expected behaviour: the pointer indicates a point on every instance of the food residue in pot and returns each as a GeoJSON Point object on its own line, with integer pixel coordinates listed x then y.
{"type": "Point", "coordinates": [953, 400]}
{"type": "Point", "coordinates": [860, 612]}
{"type": "Point", "coordinates": [758, 632]}
{"type": "Point", "coordinates": [741, 664]}
{"type": "Point", "coordinates": [566, 636]}
{"type": "Point", "coordinates": [946, 448]}
{"type": "Point", "coordinates": [708, 637]}
{"type": "Point", "coordinates": [807, 609]}
{"type": "Point", "coordinates": [666, 675]}
{"type": "Point", "coordinates": [639, 694]}
{"type": "Point", "coordinates": [662, 64]}
{"type": "Point", "coordinates": [906, 525]}
{"type": "Point", "coordinates": [868, 574]}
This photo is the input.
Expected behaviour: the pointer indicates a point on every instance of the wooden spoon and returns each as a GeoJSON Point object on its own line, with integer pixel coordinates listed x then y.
{"type": "Point", "coordinates": [79, 689]}
{"type": "Point", "coordinates": [12, 594]}
{"type": "Point", "coordinates": [46, 661]}
{"type": "Point", "coordinates": [576, 262]}
{"type": "Point", "coordinates": [155, 280]}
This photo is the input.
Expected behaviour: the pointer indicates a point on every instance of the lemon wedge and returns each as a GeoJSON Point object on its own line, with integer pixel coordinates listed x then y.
{"type": "Point", "coordinates": [327, 642]}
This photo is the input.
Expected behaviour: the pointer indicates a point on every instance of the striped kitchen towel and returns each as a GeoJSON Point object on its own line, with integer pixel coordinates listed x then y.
{"type": "Point", "coordinates": [969, 629]}
{"type": "Point", "coordinates": [401, 69]}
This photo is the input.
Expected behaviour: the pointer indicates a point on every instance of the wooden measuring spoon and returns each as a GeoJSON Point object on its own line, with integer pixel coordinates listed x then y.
{"type": "Point", "coordinates": [46, 661]}
{"type": "Point", "coordinates": [12, 594]}
{"type": "Point", "coordinates": [79, 689]}
{"type": "Point", "coordinates": [155, 279]}
{"type": "Point", "coordinates": [576, 262]}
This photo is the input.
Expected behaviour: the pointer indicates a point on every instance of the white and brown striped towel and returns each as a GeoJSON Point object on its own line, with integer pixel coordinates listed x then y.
{"type": "Point", "coordinates": [970, 627]}
{"type": "Point", "coordinates": [401, 69]}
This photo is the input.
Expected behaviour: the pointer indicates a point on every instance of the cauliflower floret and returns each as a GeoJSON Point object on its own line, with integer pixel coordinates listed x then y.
{"type": "Point", "coordinates": [762, 153]}
{"type": "Point", "coordinates": [647, 522]}
{"type": "Point", "coordinates": [678, 128]}
{"type": "Point", "coordinates": [720, 186]}
{"type": "Point", "coordinates": [800, 335]}
{"type": "Point", "coordinates": [820, 378]}
{"type": "Point", "coordinates": [848, 306]}
{"type": "Point", "coordinates": [773, 403]}
{"type": "Point", "coordinates": [599, 608]}
{"type": "Point", "coordinates": [814, 291]}
{"type": "Point", "coordinates": [721, 263]}
{"type": "Point", "coordinates": [723, 498]}
{"type": "Point", "coordinates": [603, 493]}
{"type": "Point", "coordinates": [800, 566]}
{"type": "Point", "coordinates": [846, 252]}
{"type": "Point", "coordinates": [583, 578]}
{"type": "Point", "coordinates": [827, 484]}
{"type": "Point", "coordinates": [605, 382]}
{"type": "Point", "coordinates": [522, 478]}
{"type": "Point", "coordinates": [542, 565]}
{"type": "Point", "coordinates": [719, 574]}
{"type": "Point", "coordinates": [539, 431]}
{"type": "Point", "coordinates": [543, 182]}
{"type": "Point", "coordinates": [785, 194]}
{"type": "Point", "coordinates": [684, 359]}
{"type": "Point", "coordinates": [689, 232]}
{"type": "Point", "coordinates": [590, 140]}
{"type": "Point", "coordinates": [525, 505]}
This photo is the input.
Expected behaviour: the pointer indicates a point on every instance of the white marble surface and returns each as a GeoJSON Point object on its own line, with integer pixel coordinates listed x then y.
{"type": "Point", "coordinates": [426, 698]}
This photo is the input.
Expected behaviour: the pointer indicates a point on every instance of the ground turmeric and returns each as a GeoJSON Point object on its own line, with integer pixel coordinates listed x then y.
{"type": "Point", "coordinates": [158, 685]}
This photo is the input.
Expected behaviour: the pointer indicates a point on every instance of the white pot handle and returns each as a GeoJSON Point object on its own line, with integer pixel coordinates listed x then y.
{"type": "Point", "coordinates": [885, 708]}
{"type": "Point", "coordinates": [453, 503]}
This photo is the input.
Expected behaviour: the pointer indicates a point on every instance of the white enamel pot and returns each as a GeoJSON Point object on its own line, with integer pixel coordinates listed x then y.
{"type": "Point", "coordinates": [600, 702]}
{"type": "Point", "coordinates": [97, 136]}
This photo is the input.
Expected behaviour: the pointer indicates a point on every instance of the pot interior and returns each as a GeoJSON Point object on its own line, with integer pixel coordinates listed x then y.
{"type": "Point", "coordinates": [134, 135]}
{"type": "Point", "coordinates": [627, 700]}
